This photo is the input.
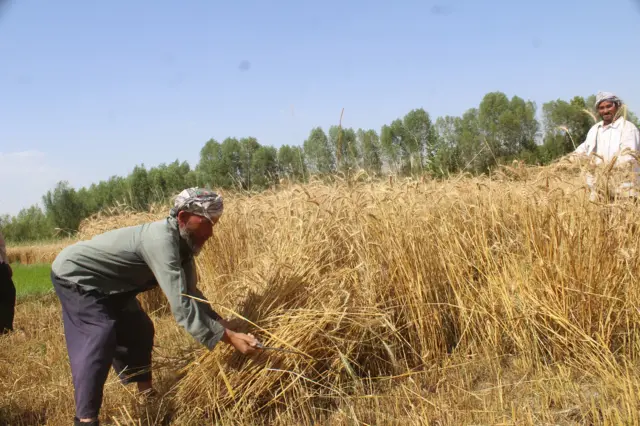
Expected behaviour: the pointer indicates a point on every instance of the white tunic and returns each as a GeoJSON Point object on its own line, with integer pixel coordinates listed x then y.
{"type": "Point", "coordinates": [609, 141]}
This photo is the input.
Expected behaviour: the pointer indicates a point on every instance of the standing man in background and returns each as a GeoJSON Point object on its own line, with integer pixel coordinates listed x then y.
{"type": "Point", "coordinates": [7, 290]}
{"type": "Point", "coordinates": [609, 138]}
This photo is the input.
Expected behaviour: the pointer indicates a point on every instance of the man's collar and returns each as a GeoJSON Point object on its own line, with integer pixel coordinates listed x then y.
{"type": "Point", "coordinates": [615, 124]}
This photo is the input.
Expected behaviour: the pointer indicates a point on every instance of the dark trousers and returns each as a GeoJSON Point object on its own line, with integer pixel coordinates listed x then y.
{"type": "Point", "coordinates": [7, 299]}
{"type": "Point", "coordinates": [103, 331]}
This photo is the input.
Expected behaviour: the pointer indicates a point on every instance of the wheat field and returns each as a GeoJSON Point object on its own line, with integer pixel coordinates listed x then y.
{"type": "Point", "coordinates": [502, 300]}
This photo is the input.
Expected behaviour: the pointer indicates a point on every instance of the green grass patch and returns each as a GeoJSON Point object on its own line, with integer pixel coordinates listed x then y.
{"type": "Point", "coordinates": [31, 280]}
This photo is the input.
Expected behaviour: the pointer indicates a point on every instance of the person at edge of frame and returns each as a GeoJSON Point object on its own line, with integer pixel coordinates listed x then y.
{"type": "Point", "coordinates": [607, 139]}
{"type": "Point", "coordinates": [7, 290]}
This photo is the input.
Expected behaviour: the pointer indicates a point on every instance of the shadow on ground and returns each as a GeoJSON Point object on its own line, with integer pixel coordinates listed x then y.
{"type": "Point", "coordinates": [14, 416]}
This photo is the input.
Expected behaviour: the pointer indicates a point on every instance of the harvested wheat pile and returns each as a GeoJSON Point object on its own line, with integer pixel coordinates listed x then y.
{"type": "Point", "coordinates": [38, 253]}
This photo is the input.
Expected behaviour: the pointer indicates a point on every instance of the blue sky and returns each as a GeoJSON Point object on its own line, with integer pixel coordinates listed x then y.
{"type": "Point", "coordinates": [90, 89]}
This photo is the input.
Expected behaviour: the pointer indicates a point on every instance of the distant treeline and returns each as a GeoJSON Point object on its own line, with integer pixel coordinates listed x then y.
{"type": "Point", "coordinates": [499, 130]}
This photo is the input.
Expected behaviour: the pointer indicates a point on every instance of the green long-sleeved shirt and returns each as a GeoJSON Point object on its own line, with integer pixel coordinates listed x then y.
{"type": "Point", "coordinates": [138, 258]}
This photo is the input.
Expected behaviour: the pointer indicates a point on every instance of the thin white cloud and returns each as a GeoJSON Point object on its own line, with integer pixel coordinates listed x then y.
{"type": "Point", "coordinates": [24, 163]}
{"type": "Point", "coordinates": [25, 176]}
{"type": "Point", "coordinates": [22, 154]}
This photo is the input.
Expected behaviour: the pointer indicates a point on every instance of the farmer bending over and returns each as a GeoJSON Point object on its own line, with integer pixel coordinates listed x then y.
{"type": "Point", "coordinates": [97, 282]}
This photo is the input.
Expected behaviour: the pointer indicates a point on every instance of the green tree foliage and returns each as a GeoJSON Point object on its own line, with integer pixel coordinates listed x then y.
{"type": "Point", "coordinates": [370, 151]}
{"type": "Point", "coordinates": [111, 192]}
{"type": "Point", "coordinates": [64, 207]}
{"type": "Point", "coordinates": [507, 126]}
{"type": "Point", "coordinates": [394, 149]}
{"type": "Point", "coordinates": [419, 139]}
{"type": "Point", "coordinates": [264, 167]}
{"type": "Point", "coordinates": [318, 153]}
{"type": "Point", "coordinates": [475, 155]}
{"type": "Point", "coordinates": [209, 169]}
{"type": "Point", "coordinates": [167, 180]}
{"type": "Point", "coordinates": [248, 148]}
{"type": "Point", "coordinates": [291, 163]}
{"type": "Point", "coordinates": [233, 161]}
{"type": "Point", "coordinates": [448, 153]}
{"type": "Point", "coordinates": [30, 224]}
{"type": "Point", "coordinates": [344, 145]}
{"type": "Point", "coordinates": [566, 125]}
{"type": "Point", "coordinates": [140, 188]}
{"type": "Point", "coordinates": [408, 144]}
{"type": "Point", "coordinates": [225, 164]}
{"type": "Point", "coordinates": [499, 130]}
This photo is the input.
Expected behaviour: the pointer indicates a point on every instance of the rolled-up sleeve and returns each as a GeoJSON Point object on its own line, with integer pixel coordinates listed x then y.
{"type": "Point", "coordinates": [164, 261]}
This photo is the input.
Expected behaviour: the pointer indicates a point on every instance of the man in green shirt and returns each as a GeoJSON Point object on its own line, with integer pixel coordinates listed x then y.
{"type": "Point", "coordinates": [97, 282]}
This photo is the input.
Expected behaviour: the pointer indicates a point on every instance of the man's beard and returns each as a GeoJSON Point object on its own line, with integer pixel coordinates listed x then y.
{"type": "Point", "coordinates": [188, 238]}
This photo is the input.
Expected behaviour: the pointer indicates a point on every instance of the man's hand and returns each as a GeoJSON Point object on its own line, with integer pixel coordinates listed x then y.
{"type": "Point", "coordinates": [246, 344]}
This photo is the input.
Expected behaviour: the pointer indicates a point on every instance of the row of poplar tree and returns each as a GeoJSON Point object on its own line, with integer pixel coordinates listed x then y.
{"type": "Point", "coordinates": [499, 130]}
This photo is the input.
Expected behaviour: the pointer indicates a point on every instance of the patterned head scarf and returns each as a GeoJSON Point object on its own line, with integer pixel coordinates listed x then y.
{"type": "Point", "coordinates": [202, 202]}
{"type": "Point", "coordinates": [606, 96]}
